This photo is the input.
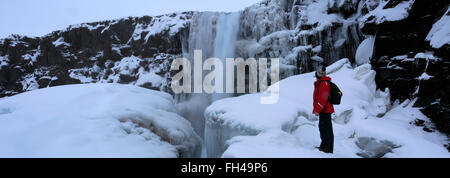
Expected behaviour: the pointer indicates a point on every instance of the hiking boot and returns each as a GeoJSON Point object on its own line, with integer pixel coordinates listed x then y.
{"type": "Point", "coordinates": [323, 150]}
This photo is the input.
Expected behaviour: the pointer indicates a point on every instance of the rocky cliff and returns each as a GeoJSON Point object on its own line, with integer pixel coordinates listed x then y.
{"type": "Point", "coordinates": [131, 50]}
{"type": "Point", "coordinates": [407, 62]}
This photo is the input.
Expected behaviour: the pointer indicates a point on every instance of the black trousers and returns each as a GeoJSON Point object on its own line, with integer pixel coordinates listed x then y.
{"type": "Point", "coordinates": [326, 132]}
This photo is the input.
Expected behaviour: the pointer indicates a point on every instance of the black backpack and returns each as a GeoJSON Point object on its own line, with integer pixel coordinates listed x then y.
{"type": "Point", "coordinates": [335, 93]}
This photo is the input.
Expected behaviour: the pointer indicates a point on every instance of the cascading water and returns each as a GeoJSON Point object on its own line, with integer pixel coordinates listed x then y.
{"type": "Point", "coordinates": [215, 34]}
{"type": "Point", "coordinates": [225, 41]}
{"type": "Point", "coordinates": [201, 37]}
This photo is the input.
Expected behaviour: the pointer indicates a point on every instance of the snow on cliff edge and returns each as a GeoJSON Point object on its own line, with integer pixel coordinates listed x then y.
{"type": "Point", "coordinates": [94, 120]}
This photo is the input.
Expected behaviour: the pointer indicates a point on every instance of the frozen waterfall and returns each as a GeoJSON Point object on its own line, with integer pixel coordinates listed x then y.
{"type": "Point", "coordinates": [216, 35]}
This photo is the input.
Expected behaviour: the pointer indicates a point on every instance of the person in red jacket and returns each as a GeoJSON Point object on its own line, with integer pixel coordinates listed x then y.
{"type": "Point", "coordinates": [323, 109]}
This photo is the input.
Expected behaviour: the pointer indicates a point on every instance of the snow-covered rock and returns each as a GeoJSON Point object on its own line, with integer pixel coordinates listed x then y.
{"type": "Point", "coordinates": [90, 53]}
{"type": "Point", "coordinates": [408, 64]}
{"type": "Point", "coordinates": [94, 120]}
{"type": "Point", "coordinates": [373, 148]}
{"type": "Point", "coordinates": [439, 35]}
{"type": "Point", "coordinates": [242, 127]}
{"type": "Point", "coordinates": [388, 11]}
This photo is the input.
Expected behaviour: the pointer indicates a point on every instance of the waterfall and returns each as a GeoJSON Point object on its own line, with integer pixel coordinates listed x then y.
{"type": "Point", "coordinates": [216, 35]}
{"type": "Point", "coordinates": [225, 41]}
{"type": "Point", "coordinates": [202, 33]}
{"type": "Point", "coordinates": [226, 36]}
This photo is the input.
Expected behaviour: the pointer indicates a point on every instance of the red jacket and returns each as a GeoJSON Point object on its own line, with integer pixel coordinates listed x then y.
{"type": "Point", "coordinates": [321, 99]}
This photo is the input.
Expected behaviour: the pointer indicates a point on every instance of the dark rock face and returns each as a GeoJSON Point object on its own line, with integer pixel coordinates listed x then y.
{"type": "Point", "coordinates": [407, 35]}
{"type": "Point", "coordinates": [407, 64]}
{"type": "Point", "coordinates": [93, 52]}
{"type": "Point", "coordinates": [438, 113]}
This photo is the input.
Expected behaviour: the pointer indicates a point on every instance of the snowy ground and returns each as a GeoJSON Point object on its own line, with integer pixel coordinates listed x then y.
{"type": "Point", "coordinates": [365, 124]}
{"type": "Point", "coordinates": [94, 120]}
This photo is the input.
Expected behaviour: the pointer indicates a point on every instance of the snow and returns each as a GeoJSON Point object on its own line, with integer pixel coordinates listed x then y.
{"type": "Point", "coordinates": [439, 34]}
{"type": "Point", "coordinates": [365, 51]}
{"type": "Point", "coordinates": [81, 74]}
{"type": "Point", "coordinates": [141, 72]}
{"type": "Point", "coordinates": [381, 15]}
{"type": "Point", "coordinates": [94, 120]}
{"type": "Point", "coordinates": [317, 49]}
{"type": "Point", "coordinates": [301, 48]}
{"type": "Point", "coordinates": [426, 55]}
{"type": "Point", "coordinates": [317, 58]}
{"type": "Point", "coordinates": [32, 58]}
{"type": "Point", "coordinates": [242, 127]}
{"type": "Point", "coordinates": [163, 22]}
{"type": "Point", "coordinates": [29, 83]}
{"type": "Point", "coordinates": [116, 49]}
{"type": "Point", "coordinates": [401, 57]}
{"type": "Point", "coordinates": [127, 65]}
{"type": "Point", "coordinates": [317, 12]}
{"type": "Point", "coordinates": [3, 61]}
{"type": "Point", "coordinates": [85, 25]}
{"type": "Point", "coordinates": [339, 42]}
{"type": "Point", "coordinates": [171, 22]}
{"type": "Point", "coordinates": [424, 76]}
{"type": "Point", "coordinates": [263, 18]}
{"type": "Point", "coordinates": [107, 28]}
{"type": "Point", "coordinates": [16, 40]}
{"type": "Point", "coordinates": [60, 41]}
{"type": "Point", "coordinates": [145, 77]}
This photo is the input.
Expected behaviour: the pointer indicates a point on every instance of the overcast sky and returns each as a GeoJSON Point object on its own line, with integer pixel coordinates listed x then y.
{"type": "Point", "coordinates": [40, 17]}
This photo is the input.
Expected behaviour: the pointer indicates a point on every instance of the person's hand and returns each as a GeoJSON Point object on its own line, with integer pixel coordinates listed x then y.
{"type": "Point", "coordinates": [315, 113]}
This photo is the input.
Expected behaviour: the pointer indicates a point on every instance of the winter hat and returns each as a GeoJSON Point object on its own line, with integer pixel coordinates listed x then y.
{"type": "Point", "coordinates": [321, 72]}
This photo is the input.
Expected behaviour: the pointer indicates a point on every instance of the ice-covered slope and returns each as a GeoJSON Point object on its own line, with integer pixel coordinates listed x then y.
{"type": "Point", "coordinates": [364, 124]}
{"type": "Point", "coordinates": [94, 120]}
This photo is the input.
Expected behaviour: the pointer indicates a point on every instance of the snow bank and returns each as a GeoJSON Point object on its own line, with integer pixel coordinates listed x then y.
{"type": "Point", "coordinates": [94, 120]}
{"type": "Point", "coordinates": [242, 127]}
{"type": "Point", "coordinates": [439, 34]}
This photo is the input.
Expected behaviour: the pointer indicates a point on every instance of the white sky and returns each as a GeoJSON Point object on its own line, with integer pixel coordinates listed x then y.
{"type": "Point", "coordinates": [40, 17]}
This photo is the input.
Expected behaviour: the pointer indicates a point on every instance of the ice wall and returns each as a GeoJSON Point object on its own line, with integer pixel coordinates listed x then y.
{"type": "Point", "coordinates": [303, 34]}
